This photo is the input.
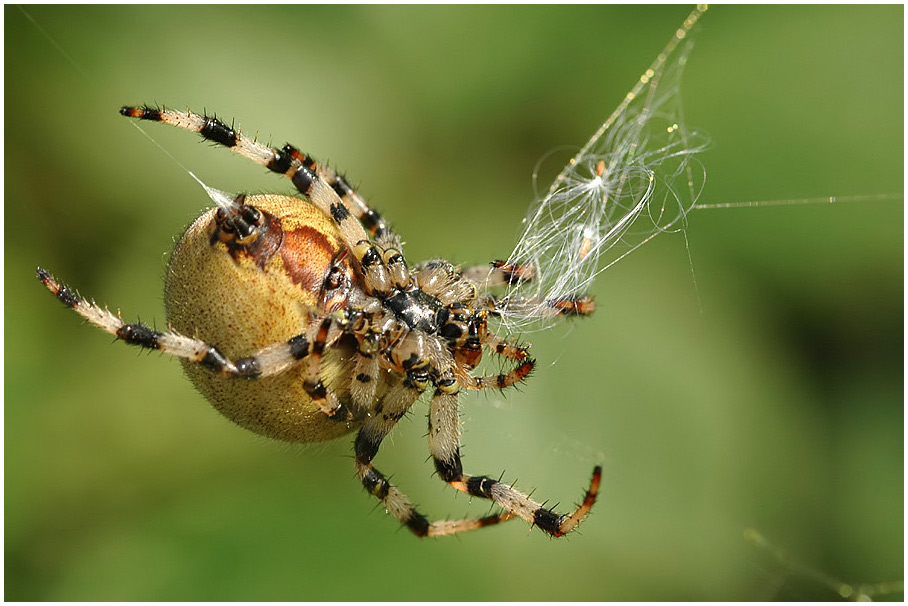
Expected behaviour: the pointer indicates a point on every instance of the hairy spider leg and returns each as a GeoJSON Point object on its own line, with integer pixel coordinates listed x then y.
{"type": "Point", "coordinates": [322, 186]}
{"type": "Point", "coordinates": [572, 306]}
{"type": "Point", "coordinates": [269, 361]}
{"type": "Point", "coordinates": [392, 408]}
{"type": "Point", "coordinates": [323, 397]}
{"type": "Point", "coordinates": [444, 444]}
{"type": "Point", "coordinates": [500, 273]}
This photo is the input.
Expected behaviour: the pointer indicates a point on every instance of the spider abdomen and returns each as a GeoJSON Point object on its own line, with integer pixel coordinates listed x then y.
{"type": "Point", "coordinates": [246, 298]}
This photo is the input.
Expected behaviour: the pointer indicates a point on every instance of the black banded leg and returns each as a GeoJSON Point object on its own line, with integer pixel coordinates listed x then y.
{"type": "Point", "coordinates": [444, 443]}
{"type": "Point", "coordinates": [269, 361]}
{"type": "Point", "coordinates": [520, 372]}
{"type": "Point", "coordinates": [391, 409]}
{"type": "Point", "coordinates": [553, 523]}
{"type": "Point", "coordinates": [275, 160]}
{"type": "Point", "coordinates": [505, 380]}
{"type": "Point", "coordinates": [329, 192]}
{"type": "Point", "coordinates": [531, 307]}
{"type": "Point", "coordinates": [504, 348]}
{"type": "Point", "coordinates": [398, 272]}
{"type": "Point", "coordinates": [351, 201]}
{"type": "Point", "coordinates": [365, 381]}
{"type": "Point", "coordinates": [370, 218]}
{"type": "Point", "coordinates": [372, 267]}
{"type": "Point", "coordinates": [444, 281]}
{"type": "Point", "coordinates": [500, 273]}
{"type": "Point", "coordinates": [313, 385]}
{"type": "Point", "coordinates": [579, 305]}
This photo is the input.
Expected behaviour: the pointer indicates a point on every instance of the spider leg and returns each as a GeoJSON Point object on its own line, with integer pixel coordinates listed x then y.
{"type": "Point", "coordinates": [276, 160]}
{"type": "Point", "coordinates": [507, 350]}
{"type": "Point", "coordinates": [391, 409]}
{"type": "Point", "coordinates": [365, 380]}
{"type": "Point", "coordinates": [323, 397]}
{"type": "Point", "coordinates": [503, 348]}
{"type": "Point", "coordinates": [466, 334]}
{"type": "Point", "coordinates": [368, 216]}
{"type": "Point", "coordinates": [363, 384]}
{"type": "Point", "coordinates": [445, 282]}
{"type": "Point", "coordinates": [269, 361]}
{"type": "Point", "coordinates": [577, 305]}
{"type": "Point", "coordinates": [330, 193]}
{"type": "Point", "coordinates": [444, 443]}
{"type": "Point", "coordinates": [504, 380]}
{"type": "Point", "coordinates": [500, 273]}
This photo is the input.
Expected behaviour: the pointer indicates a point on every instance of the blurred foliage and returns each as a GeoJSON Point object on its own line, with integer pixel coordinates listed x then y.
{"type": "Point", "coordinates": [768, 396]}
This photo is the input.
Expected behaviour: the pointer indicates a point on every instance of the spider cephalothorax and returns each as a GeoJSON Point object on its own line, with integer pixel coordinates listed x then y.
{"type": "Point", "coordinates": [301, 320]}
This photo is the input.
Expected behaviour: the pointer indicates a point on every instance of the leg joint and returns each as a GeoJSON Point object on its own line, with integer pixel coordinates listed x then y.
{"type": "Point", "coordinates": [137, 334]}
{"type": "Point", "coordinates": [248, 368]}
{"type": "Point", "coordinates": [549, 521]}
{"type": "Point", "coordinates": [417, 523]}
{"type": "Point", "coordinates": [376, 484]}
{"type": "Point", "coordinates": [366, 447]}
{"type": "Point", "coordinates": [450, 470]}
{"type": "Point", "coordinates": [481, 486]}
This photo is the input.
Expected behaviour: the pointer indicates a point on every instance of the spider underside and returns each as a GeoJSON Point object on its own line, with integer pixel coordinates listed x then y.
{"type": "Point", "coordinates": [341, 331]}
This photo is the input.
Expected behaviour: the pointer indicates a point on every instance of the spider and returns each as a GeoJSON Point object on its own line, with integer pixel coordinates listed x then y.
{"type": "Point", "coordinates": [301, 320]}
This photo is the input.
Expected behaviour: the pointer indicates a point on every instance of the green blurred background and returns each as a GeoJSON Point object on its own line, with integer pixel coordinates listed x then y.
{"type": "Point", "coordinates": [769, 397]}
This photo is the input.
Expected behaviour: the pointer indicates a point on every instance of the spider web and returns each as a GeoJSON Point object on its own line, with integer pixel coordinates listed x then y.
{"type": "Point", "coordinates": [637, 177]}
